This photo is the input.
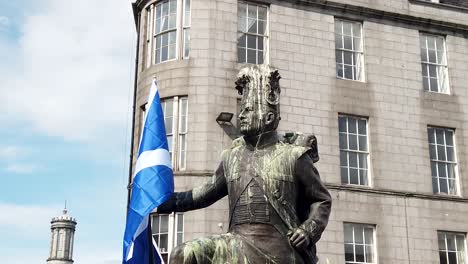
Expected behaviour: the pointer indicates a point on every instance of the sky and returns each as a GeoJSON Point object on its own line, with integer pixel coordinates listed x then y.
{"type": "Point", "coordinates": [66, 82]}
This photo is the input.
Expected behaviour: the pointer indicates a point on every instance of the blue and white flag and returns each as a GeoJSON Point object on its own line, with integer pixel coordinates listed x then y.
{"type": "Point", "coordinates": [153, 184]}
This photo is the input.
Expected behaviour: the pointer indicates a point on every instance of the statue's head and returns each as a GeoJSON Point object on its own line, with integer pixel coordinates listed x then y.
{"type": "Point", "coordinates": [260, 90]}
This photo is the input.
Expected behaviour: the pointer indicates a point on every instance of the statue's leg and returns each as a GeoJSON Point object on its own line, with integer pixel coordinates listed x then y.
{"type": "Point", "coordinates": [180, 255]}
{"type": "Point", "coordinates": [198, 251]}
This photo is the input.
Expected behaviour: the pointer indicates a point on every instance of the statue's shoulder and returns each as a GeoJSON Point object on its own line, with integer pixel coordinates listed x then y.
{"type": "Point", "coordinates": [236, 145]}
{"type": "Point", "coordinates": [301, 143]}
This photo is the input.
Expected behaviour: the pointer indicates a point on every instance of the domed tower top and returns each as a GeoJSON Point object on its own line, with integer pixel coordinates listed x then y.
{"type": "Point", "coordinates": [63, 232]}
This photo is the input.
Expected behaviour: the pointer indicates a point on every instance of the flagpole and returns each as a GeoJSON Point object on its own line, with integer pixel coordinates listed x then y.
{"type": "Point", "coordinates": [150, 240]}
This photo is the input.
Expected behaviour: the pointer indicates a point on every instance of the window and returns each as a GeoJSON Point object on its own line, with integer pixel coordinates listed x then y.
{"type": "Point", "coordinates": [349, 50]}
{"type": "Point", "coordinates": [252, 33]}
{"type": "Point", "coordinates": [168, 232]}
{"type": "Point", "coordinates": [354, 150]}
{"type": "Point", "coordinates": [443, 160]}
{"type": "Point", "coordinates": [175, 118]}
{"type": "Point", "coordinates": [434, 63]}
{"type": "Point", "coordinates": [451, 248]}
{"type": "Point", "coordinates": [359, 243]}
{"type": "Point", "coordinates": [168, 23]}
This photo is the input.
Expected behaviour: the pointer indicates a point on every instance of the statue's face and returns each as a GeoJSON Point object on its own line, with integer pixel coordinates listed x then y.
{"type": "Point", "coordinates": [252, 122]}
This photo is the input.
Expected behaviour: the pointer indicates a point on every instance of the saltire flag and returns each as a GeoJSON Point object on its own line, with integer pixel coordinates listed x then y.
{"type": "Point", "coordinates": [153, 184]}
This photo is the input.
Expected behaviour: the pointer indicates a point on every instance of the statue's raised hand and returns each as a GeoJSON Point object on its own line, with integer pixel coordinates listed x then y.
{"type": "Point", "coordinates": [299, 238]}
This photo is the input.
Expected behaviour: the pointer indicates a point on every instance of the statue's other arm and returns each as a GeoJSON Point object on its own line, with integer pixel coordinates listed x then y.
{"type": "Point", "coordinates": [314, 198]}
{"type": "Point", "coordinates": [200, 197]}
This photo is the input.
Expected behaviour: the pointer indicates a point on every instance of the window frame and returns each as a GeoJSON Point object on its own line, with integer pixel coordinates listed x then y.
{"type": "Point", "coordinates": [427, 63]}
{"type": "Point", "coordinates": [266, 35]}
{"type": "Point", "coordinates": [180, 28]}
{"type": "Point", "coordinates": [363, 244]}
{"type": "Point", "coordinates": [347, 150]}
{"type": "Point", "coordinates": [175, 145]}
{"type": "Point", "coordinates": [355, 67]}
{"type": "Point", "coordinates": [172, 232]}
{"type": "Point", "coordinates": [438, 161]}
{"type": "Point", "coordinates": [446, 250]}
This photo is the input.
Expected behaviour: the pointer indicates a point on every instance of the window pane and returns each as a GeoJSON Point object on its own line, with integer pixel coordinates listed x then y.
{"type": "Point", "coordinates": [340, 70]}
{"type": "Point", "coordinates": [342, 124]}
{"type": "Point", "coordinates": [363, 177]}
{"type": "Point", "coordinates": [180, 222]}
{"type": "Point", "coordinates": [155, 225]}
{"type": "Point", "coordinates": [352, 125]}
{"type": "Point", "coordinates": [369, 254]}
{"type": "Point", "coordinates": [241, 54]}
{"type": "Point", "coordinates": [344, 175]}
{"type": "Point", "coordinates": [353, 142]}
{"type": "Point", "coordinates": [359, 253]}
{"type": "Point", "coordinates": [164, 223]}
{"type": "Point", "coordinates": [186, 42]}
{"type": "Point", "coordinates": [369, 236]}
{"type": "Point", "coordinates": [363, 161]}
{"type": "Point", "coordinates": [349, 252]}
{"type": "Point", "coordinates": [252, 25]}
{"type": "Point", "coordinates": [442, 169]}
{"type": "Point", "coordinates": [252, 11]}
{"type": "Point", "coordinates": [163, 242]}
{"type": "Point", "coordinates": [441, 153]}
{"type": "Point", "coordinates": [432, 152]}
{"type": "Point", "coordinates": [353, 159]}
{"type": "Point", "coordinates": [443, 185]}
{"type": "Point", "coordinates": [262, 13]}
{"type": "Point", "coordinates": [261, 27]}
{"type": "Point", "coordinates": [363, 143]}
{"type": "Point", "coordinates": [343, 141]}
{"type": "Point", "coordinates": [260, 57]}
{"type": "Point", "coordinates": [338, 41]}
{"type": "Point", "coordinates": [353, 176]}
{"type": "Point", "coordinates": [348, 58]}
{"type": "Point", "coordinates": [450, 154]}
{"type": "Point", "coordinates": [251, 56]}
{"type": "Point", "coordinates": [343, 158]}
{"type": "Point", "coordinates": [443, 257]}
{"type": "Point", "coordinates": [452, 257]}
{"type": "Point", "coordinates": [449, 137]}
{"type": "Point", "coordinates": [358, 234]}
{"type": "Point", "coordinates": [179, 239]}
{"type": "Point", "coordinates": [362, 127]}
{"type": "Point", "coordinates": [348, 42]}
{"type": "Point", "coordinates": [435, 185]}
{"type": "Point", "coordinates": [251, 42]}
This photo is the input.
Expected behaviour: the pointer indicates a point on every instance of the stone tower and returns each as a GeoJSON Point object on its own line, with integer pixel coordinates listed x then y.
{"type": "Point", "coordinates": [61, 245]}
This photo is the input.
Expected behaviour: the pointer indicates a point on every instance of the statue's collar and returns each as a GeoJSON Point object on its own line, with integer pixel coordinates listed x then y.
{"type": "Point", "coordinates": [262, 141]}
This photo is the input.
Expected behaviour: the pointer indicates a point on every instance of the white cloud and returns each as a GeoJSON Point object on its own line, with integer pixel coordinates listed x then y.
{"type": "Point", "coordinates": [13, 152]}
{"type": "Point", "coordinates": [4, 21]}
{"type": "Point", "coordinates": [22, 168]}
{"type": "Point", "coordinates": [26, 219]}
{"type": "Point", "coordinates": [75, 69]}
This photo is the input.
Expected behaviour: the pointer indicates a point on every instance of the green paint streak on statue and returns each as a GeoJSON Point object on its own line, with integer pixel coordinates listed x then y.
{"type": "Point", "coordinates": [278, 206]}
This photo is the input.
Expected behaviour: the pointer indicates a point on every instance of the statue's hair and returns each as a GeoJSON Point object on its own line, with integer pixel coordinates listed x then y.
{"type": "Point", "coordinates": [272, 87]}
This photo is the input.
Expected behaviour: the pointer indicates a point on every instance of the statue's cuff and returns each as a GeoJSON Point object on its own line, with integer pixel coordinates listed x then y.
{"type": "Point", "coordinates": [311, 229]}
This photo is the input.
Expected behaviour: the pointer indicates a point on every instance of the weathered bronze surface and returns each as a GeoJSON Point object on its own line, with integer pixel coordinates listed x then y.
{"type": "Point", "coordinates": [278, 206]}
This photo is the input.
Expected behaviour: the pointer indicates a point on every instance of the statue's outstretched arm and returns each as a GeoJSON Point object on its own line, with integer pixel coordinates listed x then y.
{"type": "Point", "coordinates": [315, 198]}
{"type": "Point", "coordinates": [200, 197]}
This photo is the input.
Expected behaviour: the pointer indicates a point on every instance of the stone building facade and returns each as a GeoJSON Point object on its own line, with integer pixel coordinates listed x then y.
{"type": "Point", "coordinates": [383, 85]}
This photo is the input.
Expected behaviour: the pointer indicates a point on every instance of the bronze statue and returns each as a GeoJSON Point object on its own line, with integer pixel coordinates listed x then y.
{"type": "Point", "coordinates": [278, 206]}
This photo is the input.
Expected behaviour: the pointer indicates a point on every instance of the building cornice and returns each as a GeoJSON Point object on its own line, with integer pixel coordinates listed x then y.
{"type": "Point", "coordinates": [439, 5]}
{"type": "Point", "coordinates": [369, 190]}
{"type": "Point", "coordinates": [366, 13]}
